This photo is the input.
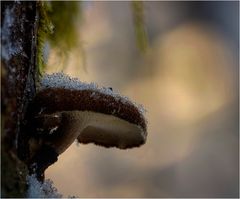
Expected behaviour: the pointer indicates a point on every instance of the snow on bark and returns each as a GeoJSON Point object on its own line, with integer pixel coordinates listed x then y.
{"type": "Point", "coordinates": [9, 48]}
{"type": "Point", "coordinates": [37, 189]}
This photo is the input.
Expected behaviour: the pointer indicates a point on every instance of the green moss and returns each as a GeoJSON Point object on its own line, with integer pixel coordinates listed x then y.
{"type": "Point", "coordinates": [139, 26]}
{"type": "Point", "coordinates": [58, 24]}
{"type": "Point", "coordinates": [65, 18]}
{"type": "Point", "coordinates": [45, 28]}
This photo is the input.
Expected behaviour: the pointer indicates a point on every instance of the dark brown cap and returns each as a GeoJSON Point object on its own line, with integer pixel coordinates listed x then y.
{"type": "Point", "coordinates": [87, 113]}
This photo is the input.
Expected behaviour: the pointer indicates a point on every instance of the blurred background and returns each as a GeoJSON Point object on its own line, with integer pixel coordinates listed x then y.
{"type": "Point", "coordinates": [180, 61]}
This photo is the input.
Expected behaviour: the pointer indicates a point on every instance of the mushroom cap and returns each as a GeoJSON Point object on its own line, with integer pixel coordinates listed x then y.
{"type": "Point", "coordinates": [51, 100]}
{"type": "Point", "coordinates": [90, 115]}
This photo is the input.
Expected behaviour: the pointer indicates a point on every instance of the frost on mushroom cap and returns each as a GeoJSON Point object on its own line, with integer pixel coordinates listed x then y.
{"type": "Point", "coordinates": [89, 113]}
{"type": "Point", "coordinates": [61, 80]}
{"type": "Point", "coordinates": [59, 92]}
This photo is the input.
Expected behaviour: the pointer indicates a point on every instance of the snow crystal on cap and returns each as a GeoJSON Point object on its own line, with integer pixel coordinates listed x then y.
{"type": "Point", "coordinates": [61, 80]}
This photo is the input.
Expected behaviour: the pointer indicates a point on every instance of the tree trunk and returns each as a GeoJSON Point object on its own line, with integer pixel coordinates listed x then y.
{"type": "Point", "coordinates": [18, 74]}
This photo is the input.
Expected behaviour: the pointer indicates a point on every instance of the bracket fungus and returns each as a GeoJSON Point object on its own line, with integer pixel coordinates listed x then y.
{"type": "Point", "coordinates": [65, 109]}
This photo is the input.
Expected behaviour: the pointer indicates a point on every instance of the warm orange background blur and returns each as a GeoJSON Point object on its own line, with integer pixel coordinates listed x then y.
{"type": "Point", "coordinates": [188, 82]}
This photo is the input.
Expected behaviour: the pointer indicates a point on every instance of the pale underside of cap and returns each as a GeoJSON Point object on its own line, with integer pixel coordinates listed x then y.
{"type": "Point", "coordinates": [98, 128]}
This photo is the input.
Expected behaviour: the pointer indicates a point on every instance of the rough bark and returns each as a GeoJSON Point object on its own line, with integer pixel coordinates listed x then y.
{"type": "Point", "coordinates": [18, 74]}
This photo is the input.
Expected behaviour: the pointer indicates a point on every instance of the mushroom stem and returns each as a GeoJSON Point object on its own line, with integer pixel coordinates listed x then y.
{"type": "Point", "coordinates": [72, 124]}
{"type": "Point", "coordinates": [53, 134]}
{"type": "Point", "coordinates": [45, 157]}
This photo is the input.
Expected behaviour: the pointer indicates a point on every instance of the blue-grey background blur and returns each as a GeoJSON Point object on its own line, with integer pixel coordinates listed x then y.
{"type": "Point", "coordinates": [187, 80]}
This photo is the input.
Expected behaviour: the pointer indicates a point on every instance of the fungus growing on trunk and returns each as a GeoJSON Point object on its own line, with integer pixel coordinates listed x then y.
{"type": "Point", "coordinates": [66, 109]}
